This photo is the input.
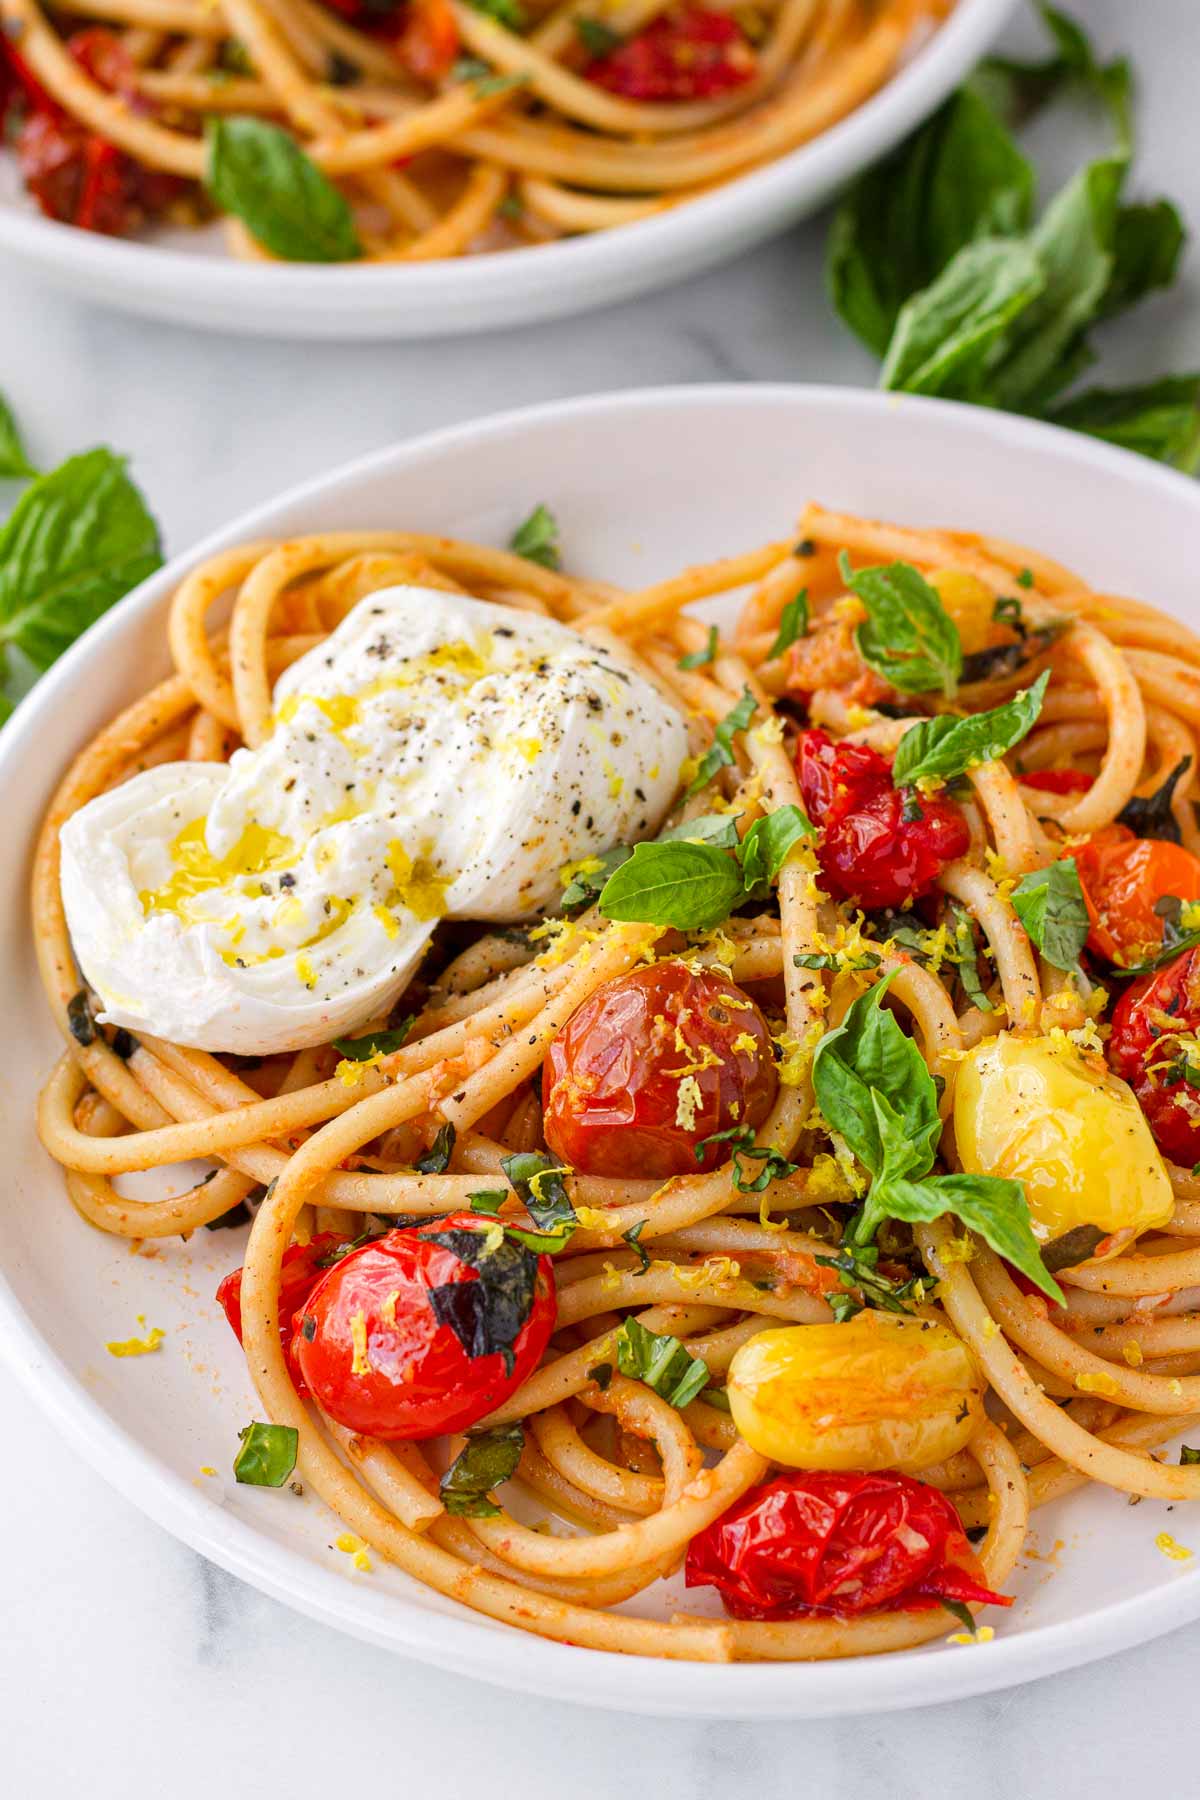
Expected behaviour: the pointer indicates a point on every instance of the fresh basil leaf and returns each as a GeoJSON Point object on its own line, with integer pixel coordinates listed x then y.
{"type": "Point", "coordinates": [793, 624]}
{"type": "Point", "coordinates": [689, 886]}
{"type": "Point", "coordinates": [699, 658]}
{"type": "Point", "coordinates": [720, 754]}
{"type": "Point", "coordinates": [1051, 907]}
{"type": "Point", "coordinates": [76, 541]}
{"type": "Point", "coordinates": [858, 1275]}
{"type": "Point", "coordinates": [14, 463]}
{"type": "Point", "coordinates": [376, 1043]}
{"type": "Point", "coordinates": [994, 1208]}
{"type": "Point", "coordinates": [487, 1460]}
{"type": "Point", "coordinates": [964, 954]}
{"type": "Point", "coordinates": [836, 959]}
{"type": "Point", "coordinates": [436, 1159]}
{"type": "Point", "coordinates": [1147, 246]}
{"type": "Point", "coordinates": [1159, 419]}
{"type": "Point", "coordinates": [585, 884]}
{"type": "Point", "coordinates": [766, 845]}
{"type": "Point", "coordinates": [508, 13]}
{"type": "Point", "coordinates": [267, 1456]}
{"type": "Point", "coordinates": [661, 1362]}
{"type": "Point", "coordinates": [718, 1399]}
{"type": "Point", "coordinates": [538, 1183]}
{"type": "Point", "coordinates": [1150, 815]}
{"type": "Point", "coordinates": [536, 539]}
{"type": "Point", "coordinates": [943, 747]}
{"type": "Point", "coordinates": [486, 1316]}
{"type": "Point", "coordinates": [908, 637]}
{"type": "Point", "coordinates": [597, 38]}
{"type": "Point", "coordinates": [959, 178]}
{"type": "Point", "coordinates": [867, 1057]}
{"type": "Point", "coordinates": [258, 172]}
{"type": "Point", "coordinates": [488, 1201]}
{"type": "Point", "coordinates": [958, 1609]}
{"type": "Point", "coordinates": [718, 830]}
{"type": "Point", "coordinates": [949, 335]}
{"type": "Point", "coordinates": [1017, 89]}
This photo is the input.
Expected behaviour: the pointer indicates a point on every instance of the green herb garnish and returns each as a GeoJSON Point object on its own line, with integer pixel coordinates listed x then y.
{"type": "Point", "coordinates": [267, 1456]}
{"type": "Point", "coordinates": [487, 1460]}
{"type": "Point", "coordinates": [663, 1363]}
{"type": "Point", "coordinates": [536, 539]}
{"type": "Point", "coordinates": [940, 748]}
{"type": "Point", "coordinates": [258, 172]}
{"type": "Point", "coordinates": [1051, 907]}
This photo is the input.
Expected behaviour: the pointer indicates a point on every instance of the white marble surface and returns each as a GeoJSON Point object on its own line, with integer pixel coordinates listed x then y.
{"type": "Point", "coordinates": [128, 1665]}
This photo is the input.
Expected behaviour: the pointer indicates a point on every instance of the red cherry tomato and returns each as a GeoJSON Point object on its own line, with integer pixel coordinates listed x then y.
{"type": "Point", "coordinates": [832, 1543]}
{"type": "Point", "coordinates": [651, 1064]}
{"type": "Point", "coordinates": [686, 54]}
{"type": "Point", "coordinates": [426, 1329]}
{"type": "Point", "coordinates": [429, 41]}
{"type": "Point", "coordinates": [1058, 781]}
{"type": "Point", "coordinates": [1123, 877]}
{"type": "Point", "coordinates": [302, 1269]}
{"type": "Point", "coordinates": [1142, 1049]}
{"type": "Point", "coordinates": [869, 852]}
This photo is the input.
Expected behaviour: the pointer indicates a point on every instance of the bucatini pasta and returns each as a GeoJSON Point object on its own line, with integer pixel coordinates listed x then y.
{"type": "Point", "coordinates": [446, 127]}
{"type": "Point", "coordinates": [733, 1236]}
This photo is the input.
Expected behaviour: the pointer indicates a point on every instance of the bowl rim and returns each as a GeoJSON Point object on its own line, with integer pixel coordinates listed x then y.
{"type": "Point", "coordinates": [462, 1641]}
{"type": "Point", "coordinates": [597, 266]}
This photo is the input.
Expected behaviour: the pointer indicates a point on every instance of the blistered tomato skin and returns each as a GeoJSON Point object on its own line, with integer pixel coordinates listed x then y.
{"type": "Point", "coordinates": [876, 1392]}
{"type": "Point", "coordinates": [650, 1065]}
{"type": "Point", "coordinates": [301, 1272]}
{"type": "Point", "coordinates": [838, 1543]}
{"type": "Point", "coordinates": [1123, 877]}
{"type": "Point", "coordinates": [397, 1341]}
{"type": "Point", "coordinates": [868, 851]}
{"type": "Point", "coordinates": [1032, 1109]}
{"type": "Point", "coordinates": [1142, 1049]}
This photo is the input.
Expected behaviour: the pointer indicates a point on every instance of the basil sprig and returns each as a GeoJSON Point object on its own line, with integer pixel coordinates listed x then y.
{"type": "Point", "coordinates": [908, 637]}
{"type": "Point", "coordinates": [258, 172]}
{"type": "Point", "coordinates": [487, 1460]}
{"type": "Point", "coordinates": [940, 748]}
{"type": "Point", "coordinates": [875, 1091]}
{"type": "Point", "coordinates": [536, 539]}
{"type": "Point", "coordinates": [693, 887]}
{"type": "Point", "coordinates": [663, 1363]}
{"type": "Point", "coordinates": [1051, 907]}
{"type": "Point", "coordinates": [267, 1456]}
{"type": "Point", "coordinates": [719, 755]}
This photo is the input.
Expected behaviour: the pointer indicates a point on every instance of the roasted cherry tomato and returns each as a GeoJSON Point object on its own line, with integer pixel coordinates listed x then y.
{"type": "Point", "coordinates": [688, 53]}
{"type": "Point", "coordinates": [1123, 877]}
{"type": "Point", "coordinates": [303, 1267]}
{"type": "Point", "coordinates": [426, 1329]}
{"type": "Point", "coordinates": [1058, 781]}
{"type": "Point", "coordinates": [428, 44]}
{"type": "Point", "coordinates": [75, 175]}
{"type": "Point", "coordinates": [837, 1543]}
{"type": "Point", "coordinates": [650, 1065]}
{"type": "Point", "coordinates": [869, 851]}
{"type": "Point", "coordinates": [1153, 1037]}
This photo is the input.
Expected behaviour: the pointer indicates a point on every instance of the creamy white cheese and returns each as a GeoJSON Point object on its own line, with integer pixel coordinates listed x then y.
{"type": "Point", "coordinates": [436, 756]}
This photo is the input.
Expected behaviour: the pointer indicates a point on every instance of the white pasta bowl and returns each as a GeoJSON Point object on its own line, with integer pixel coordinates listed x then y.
{"type": "Point", "coordinates": [186, 277]}
{"type": "Point", "coordinates": [642, 484]}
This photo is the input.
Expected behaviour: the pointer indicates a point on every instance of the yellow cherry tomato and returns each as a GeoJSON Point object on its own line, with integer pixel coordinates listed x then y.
{"type": "Point", "coordinates": [878, 1392]}
{"type": "Point", "coordinates": [1036, 1111]}
{"type": "Point", "coordinates": [969, 604]}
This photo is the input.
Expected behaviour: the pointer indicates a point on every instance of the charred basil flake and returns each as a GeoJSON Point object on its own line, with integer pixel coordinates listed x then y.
{"type": "Point", "coordinates": [1150, 816]}
{"type": "Point", "coordinates": [267, 1456]}
{"type": "Point", "coordinates": [436, 1159]}
{"type": "Point", "coordinates": [80, 1019]}
{"type": "Point", "coordinates": [229, 1221]}
{"type": "Point", "coordinates": [487, 1315]}
{"type": "Point", "coordinates": [1072, 1247]}
{"type": "Point", "coordinates": [487, 1461]}
{"type": "Point", "coordinates": [602, 1374]}
{"type": "Point", "coordinates": [376, 1043]}
{"type": "Point", "coordinates": [123, 1043]}
{"type": "Point", "coordinates": [1188, 1456]}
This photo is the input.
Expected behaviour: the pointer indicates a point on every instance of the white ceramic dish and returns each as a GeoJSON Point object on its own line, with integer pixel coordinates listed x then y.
{"type": "Point", "coordinates": [642, 484]}
{"type": "Point", "coordinates": [189, 280]}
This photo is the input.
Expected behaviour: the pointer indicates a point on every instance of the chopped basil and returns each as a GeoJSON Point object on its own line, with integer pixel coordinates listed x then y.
{"type": "Point", "coordinates": [720, 754]}
{"type": "Point", "coordinates": [1187, 1455]}
{"type": "Point", "coordinates": [858, 1274]}
{"type": "Point", "coordinates": [958, 1609]}
{"type": "Point", "coordinates": [267, 1456]}
{"type": "Point", "coordinates": [661, 1362]}
{"type": "Point", "coordinates": [602, 1374]}
{"type": "Point", "coordinates": [538, 1183]}
{"type": "Point", "coordinates": [488, 1315]}
{"type": "Point", "coordinates": [633, 1237]}
{"type": "Point", "coordinates": [487, 1460]}
{"type": "Point", "coordinates": [258, 172]}
{"type": "Point", "coordinates": [436, 1159]}
{"type": "Point", "coordinates": [793, 624]}
{"type": "Point", "coordinates": [836, 959]}
{"type": "Point", "coordinates": [14, 463]}
{"type": "Point", "coordinates": [775, 1167]}
{"type": "Point", "coordinates": [1051, 907]}
{"type": "Point", "coordinates": [597, 38]}
{"type": "Point", "coordinates": [376, 1043]}
{"type": "Point", "coordinates": [1175, 940]}
{"type": "Point", "coordinates": [717, 829]}
{"type": "Point", "coordinates": [488, 1201]}
{"type": "Point", "coordinates": [587, 883]}
{"type": "Point", "coordinates": [943, 747]}
{"type": "Point", "coordinates": [229, 1221]}
{"type": "Point", "coordinates": [508, 13]}
{"type": "Point", "coordinates": [470, 68]}
{"type": "Point", "coordinates": [1150, 816]}
{"type": "Point", "coordinates": [698, 658]}
{"type": "Point", "coordinates": [536, 539]}
{"type": "Point", "coordinates": [908, 637]}
{"type": "Point", "coordinates": [80, 1020]}
{"type": "Point", "coordinates": [1074, 1246]}
{"type": "Point", "coordinates": [716, 1397]}
{"type": "Point", "coordinates": [1005, 659]}
{"type": "Point", "coordinates": [964, 954]}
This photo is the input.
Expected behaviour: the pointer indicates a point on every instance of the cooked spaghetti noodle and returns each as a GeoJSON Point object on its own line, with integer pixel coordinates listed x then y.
{"type": "Point", "coordinates": [1085, 1393]}
{"type": "Point", "coordinates": [447, 129]}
